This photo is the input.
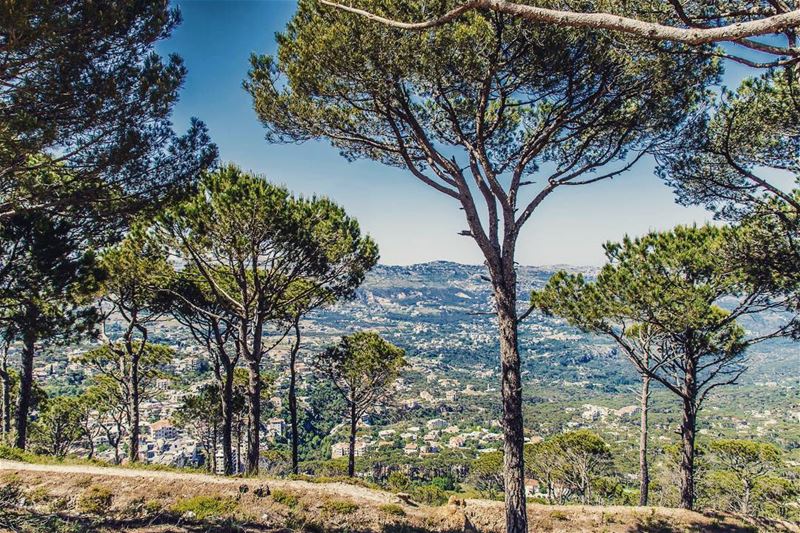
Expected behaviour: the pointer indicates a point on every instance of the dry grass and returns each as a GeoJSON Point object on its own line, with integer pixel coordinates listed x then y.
{"type": "Point", "coordinates": [151, 502]}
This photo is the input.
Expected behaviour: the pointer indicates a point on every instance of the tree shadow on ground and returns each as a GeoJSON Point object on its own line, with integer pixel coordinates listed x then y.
{"type": "Point", "coordinates": [29, 520]}
{"type": "Point", "coordinates": [662, 524]}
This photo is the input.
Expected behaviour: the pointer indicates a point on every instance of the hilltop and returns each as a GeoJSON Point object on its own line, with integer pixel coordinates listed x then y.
{"type": "Point", "coordinates": [94, 499]}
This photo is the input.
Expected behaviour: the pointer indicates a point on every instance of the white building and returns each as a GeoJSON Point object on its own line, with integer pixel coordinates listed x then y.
{"type": "Point", "coordinates": [436, 423]}
{"type": "Point", "coordinates": [163, 429]}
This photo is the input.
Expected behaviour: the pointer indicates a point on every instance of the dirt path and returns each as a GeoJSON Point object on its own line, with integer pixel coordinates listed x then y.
{"type": "Point", "coordinates": [333, 489]}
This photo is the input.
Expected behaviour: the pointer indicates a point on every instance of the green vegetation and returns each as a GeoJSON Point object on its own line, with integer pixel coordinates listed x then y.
{"type": "Point", "coordinates": [95, 500]}
{"type": "Point", "coordinates": [392, 509]}
{"type": "Point", "coordinates": [362, 368]}
{"type": "Point", "coordinates": [479, 111]}
{"type": "Point", "coordinates": [205, 507]}
{"type": "Point", "coordinates": [284, 497]}
{"type": "Point", "coordinates": [257, 252]}
{"type": "Point", "coordinates": [344, 507]}
{"type": "Point", "coordinates": [134, 269]}
{"type": "Point", "coordinates": [659, 298]}
{"type": "Point", "coordinates": [73, 75]}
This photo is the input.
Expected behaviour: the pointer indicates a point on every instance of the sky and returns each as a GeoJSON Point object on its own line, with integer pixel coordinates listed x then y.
{"type": "Point", "coordinates": [410, 222]}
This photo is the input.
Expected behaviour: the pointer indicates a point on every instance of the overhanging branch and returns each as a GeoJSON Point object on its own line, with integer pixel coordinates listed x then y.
{"type": "Point", "coordinates": [605, 21]}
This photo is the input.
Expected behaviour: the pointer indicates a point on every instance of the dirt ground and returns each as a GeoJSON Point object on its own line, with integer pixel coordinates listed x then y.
{"type": "Point", "coordinates": [62, 498]}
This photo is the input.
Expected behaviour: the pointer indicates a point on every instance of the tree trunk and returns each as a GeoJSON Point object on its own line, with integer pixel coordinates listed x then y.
{"type": "Point", "coordinates": [687, 456]}
{"type": "Point", "coordinates": [746, 497]}
{"type": "Point", "coordinates": [644, 472]}
{"type": "Point", "coordinates": [351, 456]}
{"type": "Point", "coordinates": [293, 400]}
{"type": "Point", "coordinates": [25, 388]}
{"type": "Point", "coordinates": [5, 405]}
{"type": "Point", "coordinates": [227, 423]}
{"type": "Point", "coordinates": [688, 427]}
{"type": "Point", "coordinates": [90, 440]}
{"type": "Point", "coordinates": [505, 292]}
{"type": "Point", "coordinates": [254, 416]}
{"type": "Point", "coordinates": [213, 450]}
{"type": "Point", "coordinates": [133, 437]}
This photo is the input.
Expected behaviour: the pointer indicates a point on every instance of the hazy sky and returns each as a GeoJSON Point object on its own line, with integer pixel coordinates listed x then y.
{"type": "Point", "coordinates": [410, 222]}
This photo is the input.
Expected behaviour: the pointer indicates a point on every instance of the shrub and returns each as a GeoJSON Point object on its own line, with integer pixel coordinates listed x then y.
{"type": "Point", "coordinates": [95, 500]}
{"type": "Point", "coordinates": [340, 507]}
{"type": "Point", "coordinates": [152, 507]}
{"type": "Point", "coordinates": [83, 482]}
{"type": "Point", "coordinates": [9, 453]}
{"type": "Point", "coordinates": [205, 507]}
{"type": "Point", "coordinates": [39, 495]}
{"type": "Point", "coordinates": [11, 490]}
{"type": "Point", "coordinates": [398, 481]}
{"type": "Point", "coordinates": [285, 498]}
{"type": "Point", "coordinates": [333, 467]}
{"type": "Point", "coordinates": [444, 482]}
{"type": "Point", "coordinates": [429, 494]}
{"type": "Point", "coordinates": [392, 509]}
{"type": "Point", "coordinates": [57, 505]}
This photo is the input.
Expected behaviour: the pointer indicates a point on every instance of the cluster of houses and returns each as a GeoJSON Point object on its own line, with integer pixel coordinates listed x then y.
{"type": "Point", "coordinates": [420, 442]}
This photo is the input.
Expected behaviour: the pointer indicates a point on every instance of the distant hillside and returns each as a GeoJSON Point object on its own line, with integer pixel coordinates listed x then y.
{"type": "Point", "coordinates": [444, 310]}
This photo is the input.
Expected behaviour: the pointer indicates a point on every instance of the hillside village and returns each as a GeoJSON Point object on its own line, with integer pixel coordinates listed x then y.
{"type": "Point", "coordinates": [453, 398]}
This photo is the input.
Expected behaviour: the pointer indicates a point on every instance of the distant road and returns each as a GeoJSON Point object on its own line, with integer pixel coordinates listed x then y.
{"type": "Point", "coordinates": [334, 489]}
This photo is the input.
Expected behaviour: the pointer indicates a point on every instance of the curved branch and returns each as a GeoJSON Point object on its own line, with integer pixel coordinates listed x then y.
{"type": "Point", "coordinates": [605, 21]}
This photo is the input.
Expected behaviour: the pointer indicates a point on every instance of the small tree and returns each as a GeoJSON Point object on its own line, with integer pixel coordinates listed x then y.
{"type": "Point", "coordinates": [486, 472]}
{"type": "Point", "coordinates": [200, 415]}
{"type": "Point", "coordinates": [311, 301]}
{"type": "Point", "coordinates": [193, 304]}
{"type": "Point", "coordinates": [88, 409]}
{"type": "Point", "coordinates": [363, 368]}
{"type": "Point", "coordinates": [668, 285]}
{"type": "Point", "coordinates": [135, 271]}
{"type": "Point", "coordinates": [749, 462]}
{"type": "Point", "coordinates": [112, 364]}
{"type": "Point", "coordinates": [59, 426]}
{"type": "Point", "coordinates": [108, 411]}
{"type": "Point", "coordinates": [540, 464]}
{"type": "Point", "coordinates": [582, 458]}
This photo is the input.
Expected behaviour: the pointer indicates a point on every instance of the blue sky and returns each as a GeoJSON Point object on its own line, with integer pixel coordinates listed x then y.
{"type": "Point", "coordinates": [410, 222]}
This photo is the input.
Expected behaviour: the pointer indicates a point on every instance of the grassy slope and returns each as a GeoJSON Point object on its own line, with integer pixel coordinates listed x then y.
{"type": "Point", "coordinates": [56, 499]}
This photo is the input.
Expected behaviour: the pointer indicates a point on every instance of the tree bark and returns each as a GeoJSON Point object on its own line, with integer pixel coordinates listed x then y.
{"type": "Point", "coordinates": [351, 456]}
{"type": "Point", "coordinates": [644, 471]}
{"type": "Point", "coordinates": [687, 456]}
{"type": "Point", "coordinates": [25, 388]}
{"type": "Point", "coordinates": [213, 450]}
{"type": "Point", "coordinates": [5, 405]}
{"type": "Point", "coordinates": [688, 427]}
{"type": "Point", "coordinates": [505, 293]}
{"type": "Point", "coordinates": [293, 399]}
{"type": "Point", "coordinates": [227, 423]}
{"type": "Point", "coordinates": [748, 489]}
{"type": "Point", "coordinates": [254, 415]}
{"type": "Point", "coordinates": [133, 377]}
